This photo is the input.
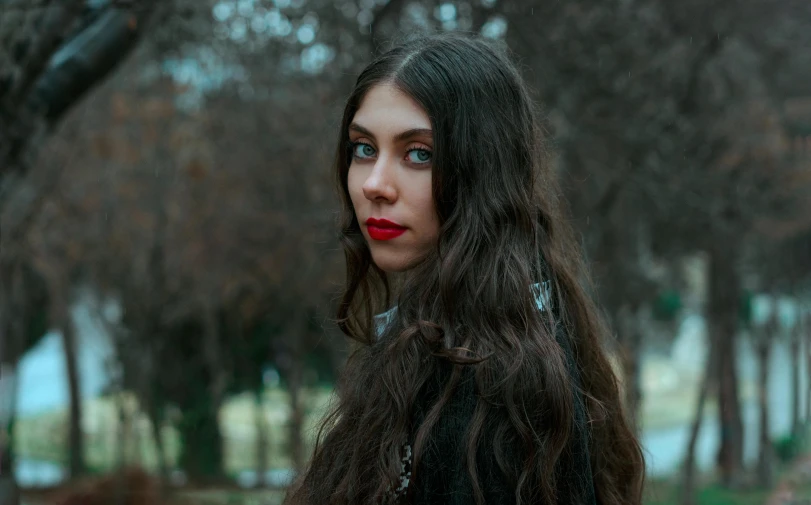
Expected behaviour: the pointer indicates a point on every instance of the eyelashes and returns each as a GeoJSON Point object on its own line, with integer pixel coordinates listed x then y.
{"type": "Point", "coordinates": [363, 150]}
{"type": "Point", "coordinates": [424, 156]}
{"type": "Point", "coordinates": [364, 147]}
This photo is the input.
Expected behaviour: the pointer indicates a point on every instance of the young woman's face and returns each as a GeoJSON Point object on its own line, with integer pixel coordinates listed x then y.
{"type": "Point", "coordinates": [390, 178]}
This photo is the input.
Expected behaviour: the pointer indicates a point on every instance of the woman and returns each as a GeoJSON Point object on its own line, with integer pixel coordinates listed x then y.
{"type": "Point", "coordinates": [486, 381]}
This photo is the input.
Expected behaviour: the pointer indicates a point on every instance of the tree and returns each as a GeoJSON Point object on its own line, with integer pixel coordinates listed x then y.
{"type": "Point", "coordinates": [764, 338]}
{"type": "Point", "coordinates": [24, 303]}
{"type": "Point", "coordinates": [22, 324]}
{"type": "Point", "coordinates": [645, 146]}
{"type": "Point", "coordinates": [56, 52]}
{"type": "Point", "coordinates": [186, 269]}
{"type": "Point", "coordinates": [62, 319]}
{"type": "Point", "coordinates": [687, 495]}
{"type": "Point", "coordinates": [206, 211]}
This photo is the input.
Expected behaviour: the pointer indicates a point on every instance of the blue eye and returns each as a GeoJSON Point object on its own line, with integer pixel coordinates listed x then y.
{"type": "Point", "coordinates": [419, 156]}
{"type": "Point", "coordinates": [361, 150]}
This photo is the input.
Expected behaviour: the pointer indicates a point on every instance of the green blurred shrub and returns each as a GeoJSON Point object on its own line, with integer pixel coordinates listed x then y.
{"type": "Point", "coordinates": [790, 446]}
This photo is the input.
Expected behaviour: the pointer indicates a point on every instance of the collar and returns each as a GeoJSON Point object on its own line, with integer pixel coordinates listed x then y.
{"type": "Point", "coordinates": [541, 290]}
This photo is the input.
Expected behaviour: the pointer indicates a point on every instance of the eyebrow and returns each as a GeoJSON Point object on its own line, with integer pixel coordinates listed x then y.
{"type": "Point", "coordinates": [410, 133]}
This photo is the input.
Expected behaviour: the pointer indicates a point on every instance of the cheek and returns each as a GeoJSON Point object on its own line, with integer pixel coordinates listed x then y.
{"type": "Point", "coordinates": [428, 215]}
{"type": "Point", "coordinates": [355, 184]}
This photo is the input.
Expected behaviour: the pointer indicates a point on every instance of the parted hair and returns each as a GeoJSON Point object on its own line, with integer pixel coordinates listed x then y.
{"type": "Point", "coordinates": [503, 228]}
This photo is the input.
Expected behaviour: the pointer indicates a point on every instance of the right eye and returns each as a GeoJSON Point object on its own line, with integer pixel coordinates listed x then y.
{"type": "Point", "coordinates": [362, 150]}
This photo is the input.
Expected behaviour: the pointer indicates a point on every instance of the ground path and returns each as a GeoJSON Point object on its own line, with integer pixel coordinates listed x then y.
{"type": "Point", "coordinates": [787, 490]}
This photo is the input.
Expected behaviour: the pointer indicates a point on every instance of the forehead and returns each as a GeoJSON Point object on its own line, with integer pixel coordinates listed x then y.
{"type": "Point", "coordinates": [387, 109]}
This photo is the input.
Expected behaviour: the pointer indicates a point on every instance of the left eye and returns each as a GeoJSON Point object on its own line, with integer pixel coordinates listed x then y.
{"type": "Point", "coordinates": [419, 156]}
{"type": "Point", "coordinates": [360, 150]}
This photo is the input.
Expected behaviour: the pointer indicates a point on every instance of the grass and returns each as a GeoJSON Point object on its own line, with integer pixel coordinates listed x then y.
{"type": "Point", "coordinates": [231, 498]}
{"type": "Point", "coordinates": [658, 492]}
{"type": "Point", "coordinates": [43, 436]}
{"type": "Point", "coordinates": [674, 407]}
{"type": "Point", "coordinates": [667, 493]}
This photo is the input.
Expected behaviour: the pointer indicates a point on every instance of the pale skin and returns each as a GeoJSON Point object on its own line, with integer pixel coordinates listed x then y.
{"type": "Point", "coordinates": [390, 175]}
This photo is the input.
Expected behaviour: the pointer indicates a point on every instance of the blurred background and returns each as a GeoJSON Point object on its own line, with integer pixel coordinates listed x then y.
{"type": "Point", "coordinates": [169, 260]}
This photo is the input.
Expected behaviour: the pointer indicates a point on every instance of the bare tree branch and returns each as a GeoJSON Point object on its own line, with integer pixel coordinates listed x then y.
{"type": "Point", "coordinates": [391, 8]}
{"type": "Point", "coordinates": [58, 72]}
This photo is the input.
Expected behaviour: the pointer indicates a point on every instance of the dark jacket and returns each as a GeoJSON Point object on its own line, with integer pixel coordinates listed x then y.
{"type": "Point", "coordinates": [442, 476]}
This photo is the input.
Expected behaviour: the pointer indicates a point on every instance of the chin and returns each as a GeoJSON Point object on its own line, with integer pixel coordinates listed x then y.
{"type": "Point", "coordinates": [392, 268]}
{"type": "Point", "coordinates": [391, 263]}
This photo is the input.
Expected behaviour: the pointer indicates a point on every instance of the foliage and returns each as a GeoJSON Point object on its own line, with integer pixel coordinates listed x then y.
{"type": "Point", "coordinates": [667, 306]}
{"type": "Point", "coordinates": [746, 308]}
{"type": "Point", "coordinates": [667, 493]}
{"type": "Point", "coordinates": [790, 446]}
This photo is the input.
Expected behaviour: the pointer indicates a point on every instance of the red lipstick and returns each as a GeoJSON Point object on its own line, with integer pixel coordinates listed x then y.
{"type": "Point", "coordinates": [383, 229]}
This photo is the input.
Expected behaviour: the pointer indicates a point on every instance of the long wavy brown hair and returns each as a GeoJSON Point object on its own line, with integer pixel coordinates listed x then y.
{"type": "Point", "coordinates": [468, 304]}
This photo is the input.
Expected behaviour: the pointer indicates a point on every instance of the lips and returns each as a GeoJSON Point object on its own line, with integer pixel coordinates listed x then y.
{"type": "Point", "coordinates": [383, 229]}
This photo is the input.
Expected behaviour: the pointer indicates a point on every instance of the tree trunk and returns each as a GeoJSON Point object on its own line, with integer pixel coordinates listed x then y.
{"type": "Point", "coordinates": [297, 417]}
{"type": "Point", "coordinates": [795, 381]}
{"type": "Point", "coordinates": [201, 455]}
{"type": "Point", "coordinates": [9, 493]}
{"type": "Point", "coordinates": [124, 442]}
{"type": "Point", "coordinates": [807, 329]}
{"type": "Point", "coordinates": [631, 340]}
{"type": "Point", "coordinates": [765, 469]}
{"type": "Point", "coordinates": [12, 337]}
{"type": "Point", "coordinates": [288, 353]}
{"type": "Point", "coordinates": [633, 390]}
{"type": "Point", "coordinates": [262, 442]}
{"type": "Point", "coordinates": [59, 72]}
{"type": "Point", "coordinates": [688, 490]}
{"type": "Point", "coordinates": [76, 461]}
{"type": "Point", "coordinates": [724, 297]}
{"type": "Point", "coordinates": [288, 363]}
{"type": "Point", "coordinates": [214, 355]}
{"type": "Point", "coordinates": [155, 421]}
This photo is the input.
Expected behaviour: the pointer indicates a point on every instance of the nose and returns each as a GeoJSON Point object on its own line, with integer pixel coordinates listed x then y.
{"type": "Point", "coordinates": [380, 185]}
